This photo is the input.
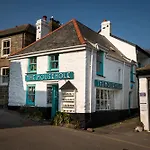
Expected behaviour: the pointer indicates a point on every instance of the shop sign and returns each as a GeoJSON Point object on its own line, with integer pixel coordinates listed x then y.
{"type": "Point", "coordinates": [50, 76]}
{"type": "Point", "coordinates": [107, 84]}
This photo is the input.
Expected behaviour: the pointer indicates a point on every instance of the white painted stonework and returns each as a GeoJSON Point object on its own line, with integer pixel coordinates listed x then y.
{"type": "Point", "coordinates": [42, 28]}
{"type": "Point", "coordinates": [127, 49]}
{"type": "Point", "coordinates": [144, 103]}
{"type": "Point", "coordinates": [83, 64]}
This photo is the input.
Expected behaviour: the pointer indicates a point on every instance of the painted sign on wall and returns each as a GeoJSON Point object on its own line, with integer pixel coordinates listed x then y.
{"type": "Point", "coordinates": [107, 84]}
{"type": "Point", "coordinates": [50, 76]}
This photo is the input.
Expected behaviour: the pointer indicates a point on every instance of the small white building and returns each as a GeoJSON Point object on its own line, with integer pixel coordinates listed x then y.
{"type": "Point", "coordinates": [129, 49]}
{"type": "Point", "coordinates": [76, 70]}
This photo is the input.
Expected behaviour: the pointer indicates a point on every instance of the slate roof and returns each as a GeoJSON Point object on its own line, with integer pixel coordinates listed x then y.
{"type": "Point", "coordinates": [18, 29]}
{"type": "Point", "coordinates": [71, 34]}
{"type": "Point", "coordinates": [68, 86]}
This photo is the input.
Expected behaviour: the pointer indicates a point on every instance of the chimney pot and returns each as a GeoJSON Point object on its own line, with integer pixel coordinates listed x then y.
{"type": "Point", "coordinates": [104, 20]}
{"type": "Point", "coordinates": [45, 18]}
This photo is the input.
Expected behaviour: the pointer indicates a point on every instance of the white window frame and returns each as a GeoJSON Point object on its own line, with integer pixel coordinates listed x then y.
{"type": "Point", "coordinates": [3, 83]}
{"type": "Point", "coordinates": [2, 44]}
{"type": "Point", "coordinates": [110, 102]}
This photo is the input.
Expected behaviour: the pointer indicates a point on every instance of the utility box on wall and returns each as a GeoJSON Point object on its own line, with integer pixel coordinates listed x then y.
{"type": "Point", "coordinates": [68, 101]}
{"type": "Point", "coordinates": [68, 98]}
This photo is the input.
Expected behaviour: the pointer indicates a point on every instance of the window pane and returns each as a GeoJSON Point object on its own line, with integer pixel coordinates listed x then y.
{"type": "Point", "coordinates": [33, 67]}
{"type": "Point", "coordinates": [6, 51]}
{"type": "Point", "coordinates": [33, 60]}
{"type": "Point", "coordinates": [54, 65]}
{"type": "Point", "coordinates": [8, 43]}
{"type": "Point", "coordinates": [97, 93]}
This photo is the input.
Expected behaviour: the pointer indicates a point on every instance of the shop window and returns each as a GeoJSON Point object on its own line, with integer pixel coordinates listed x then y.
{"type": "Point", "coordinates": [32, 66]}
{"type": "Point", "coordinates": [100, 63]}
{"type": "Point", "coordinates": [104, 99]}
{"type": "Point", "coordinates": [30, 99]}
{"type": "Point", "coordinates": [4, 75]}
{"type": "Point", "coordinates": [54, 62]}
{"type": "Point", "coordinates": [6, 47]}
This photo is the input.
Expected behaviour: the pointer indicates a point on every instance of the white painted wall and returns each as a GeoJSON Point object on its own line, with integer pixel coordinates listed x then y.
{"type": "Point", "coordinates": [42, 28]}
{"type": "Point", "coordinates": [111, 74]}
{"type": "Point", "coordinates": [144, 103]}
{"type": "Point", "coordinates": [74, 61]}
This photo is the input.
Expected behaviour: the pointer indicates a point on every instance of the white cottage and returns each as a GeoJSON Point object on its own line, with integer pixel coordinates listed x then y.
{"type": "Point", "coordinates": [76, 70]}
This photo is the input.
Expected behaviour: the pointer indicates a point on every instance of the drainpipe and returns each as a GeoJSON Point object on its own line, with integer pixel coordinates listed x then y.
{"type": "Point", "coordinates": [91, 82]}
{"type": "Point", "coordinates": [123, 83]}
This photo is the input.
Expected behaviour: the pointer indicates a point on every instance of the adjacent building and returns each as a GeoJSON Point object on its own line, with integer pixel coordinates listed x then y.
{"type": "Point", "coordinates": [75, 70]}
{"type": "Point", "coordinates": [11, 40]}
{"type": "Point", "coordinates": [129, 49]}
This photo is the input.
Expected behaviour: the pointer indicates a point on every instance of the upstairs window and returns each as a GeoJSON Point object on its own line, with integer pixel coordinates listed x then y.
{"type": "Point", "coordinates": [32, 67]}
{"type": "Point", "coordinates": [6, 47]}
{"type": "Point", "coordinates": [100, 63]}
{"type": "Point", "coordinates": [132, 74]}
{"type": "Point", "coordinates": [54, 62]}
{"type": "Point", "coordinates": [4, 75]}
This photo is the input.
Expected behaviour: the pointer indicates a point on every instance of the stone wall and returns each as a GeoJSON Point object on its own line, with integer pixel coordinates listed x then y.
{"type": "Point", "coordinates": [18, 41]}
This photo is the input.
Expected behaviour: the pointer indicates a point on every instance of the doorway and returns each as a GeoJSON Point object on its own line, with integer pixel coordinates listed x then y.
{"type": "Point", "coordinates": [52, 98]}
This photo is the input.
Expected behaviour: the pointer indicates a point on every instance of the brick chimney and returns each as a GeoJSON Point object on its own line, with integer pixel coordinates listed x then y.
{"type": "Point", "coordinates": [53, 24]}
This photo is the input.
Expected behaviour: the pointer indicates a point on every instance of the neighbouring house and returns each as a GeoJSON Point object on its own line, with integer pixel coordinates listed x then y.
{"type": "Point", "coordinates": [75, 70]}
{"type": "Point", "coordinates": [144, 95]}
{"type": "Point", "coordinates": [129, 49]}
{"type": "Point", "coordinates": [16, 38]}
{"type": "Point", "coordinates": [11, 40]}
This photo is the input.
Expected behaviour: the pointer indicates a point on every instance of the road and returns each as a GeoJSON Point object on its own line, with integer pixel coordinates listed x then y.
{"type": "Point", "coordinates": [57, 138]}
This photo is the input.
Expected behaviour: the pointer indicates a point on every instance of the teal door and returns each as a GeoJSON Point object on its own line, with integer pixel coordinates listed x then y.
{"type": "Point", "coordinates": [30, 95]}
{"type": "Point", "coordinates": [55, 95]}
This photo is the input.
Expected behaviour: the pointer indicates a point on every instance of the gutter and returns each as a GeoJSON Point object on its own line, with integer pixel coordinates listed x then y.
{"type": "Point", "coordinates": [50, 51]}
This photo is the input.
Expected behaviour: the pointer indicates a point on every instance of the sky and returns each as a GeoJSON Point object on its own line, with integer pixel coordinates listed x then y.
{"type": "Point", "coordinates": [130, 18]}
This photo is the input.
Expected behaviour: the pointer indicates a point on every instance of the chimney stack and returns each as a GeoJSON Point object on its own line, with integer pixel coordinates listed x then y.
{"type": "Point", "coordinates": [105, 28]}
{"type": "Point", "coordinates": [45, 18]}
{"type": "Point", "coordinates": [42, 28]}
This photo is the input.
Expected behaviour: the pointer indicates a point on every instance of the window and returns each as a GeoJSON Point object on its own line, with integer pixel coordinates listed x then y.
{"type": "Point", "coordinates": [104, 99]}
{"type": "Point", "coordinates": [4, 75]}
{"type": "Point", "coordinates": [6, 46]}
{"type": "Point", "coordinates": [30, 99]}
{"type": "Point", "coordinates": [132, 74]}
{"type": "Point", "coordinates": [54, 62]}
{"type": "Point", "coordinates": [32, 64]}
{"type": "Point", "coordinates": [100, 63]}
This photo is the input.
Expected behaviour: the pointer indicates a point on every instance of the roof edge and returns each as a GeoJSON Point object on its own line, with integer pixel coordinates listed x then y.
{"type": "Point", "coordinates": [40, 38]}
{"type": "Point", "coordinates": [80, 36]}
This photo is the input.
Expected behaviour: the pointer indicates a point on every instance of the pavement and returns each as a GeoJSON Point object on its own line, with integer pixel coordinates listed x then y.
{"type": "Point", "coordinates": [17, 133]}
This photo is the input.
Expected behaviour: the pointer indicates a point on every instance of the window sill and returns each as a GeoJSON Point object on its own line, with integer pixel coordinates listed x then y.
{"type": "Point", "coordinates": [31, 73]}
{"type": "Point", "coordinates": [100, 75]}
{"type": "Point", "coordinates": [4, 56]}
{"type": "Point", "coordinates": [4, 84]}
{"type": "Point", "coordinates": [49, 71]}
